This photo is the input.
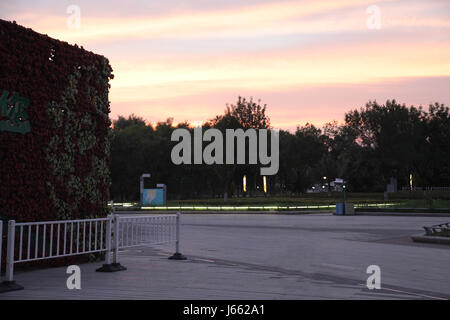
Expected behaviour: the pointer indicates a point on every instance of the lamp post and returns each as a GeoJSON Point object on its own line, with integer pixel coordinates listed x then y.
{"type": "Point", "coordinates": [265, 185]}
{"type": "Point", "coordinates": [144, 175]}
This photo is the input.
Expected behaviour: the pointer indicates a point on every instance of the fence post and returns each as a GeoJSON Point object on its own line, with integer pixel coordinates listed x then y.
{"type": "Point", "coordinates": [10, 251]}
{"type": "Point", "coordinates": [108, 266]}
{"type": "Point", "coordinates": [116, 240]}
{"type": "Point", "coordinates": [108, 239]}
{"type": "Point", "coordinates": [116, 264]}
{"type": "Point", "coordinates": [177, 255]}
{"type": "Point", "coordinates": [9, 284]}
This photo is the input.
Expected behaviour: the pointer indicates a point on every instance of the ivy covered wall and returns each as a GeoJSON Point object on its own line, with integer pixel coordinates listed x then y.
{"type": "Point", "coordinates": [54, 125]}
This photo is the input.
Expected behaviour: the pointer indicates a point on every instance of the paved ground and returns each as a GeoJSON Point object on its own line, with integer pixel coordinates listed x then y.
{"type": "Point", "coordinates": [239, 256]}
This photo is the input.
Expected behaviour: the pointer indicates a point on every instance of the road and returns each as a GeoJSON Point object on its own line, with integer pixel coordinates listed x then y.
{"type": "Point", "coordinates": [267, 256]}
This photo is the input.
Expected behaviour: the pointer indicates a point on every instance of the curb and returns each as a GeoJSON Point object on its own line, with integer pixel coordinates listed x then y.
{"type": "Point", "coordinates": [403, 214]}
{"type": "Point", "coordinates": [281, 212]}
{"type": "Point", "coordinates": [431, 239]}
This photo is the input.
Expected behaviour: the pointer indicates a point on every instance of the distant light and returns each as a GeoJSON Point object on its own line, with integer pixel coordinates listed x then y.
{"type": "Point", "coordinates": [244, 183]}
{"type": "Point", "coordinates": [323, 187]}
{"type": "Point", "coordinates": [343, 186]}
{"type": "Point", "coordinates": [324, 178]}
{"type": "Point", "coordinates": [265, 184]}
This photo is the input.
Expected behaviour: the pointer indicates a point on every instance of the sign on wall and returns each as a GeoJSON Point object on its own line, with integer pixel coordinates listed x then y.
{"type": "Point", "coordinates": [153, 197]}
{"type": "Point", "coordinates": [12, 112]}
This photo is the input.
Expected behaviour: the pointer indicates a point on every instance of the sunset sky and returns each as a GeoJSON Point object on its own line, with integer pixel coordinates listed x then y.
{"type": "Point", "coordinates": [309, 61]}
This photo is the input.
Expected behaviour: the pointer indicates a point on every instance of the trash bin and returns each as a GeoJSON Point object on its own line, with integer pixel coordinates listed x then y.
{"type": "Point", "coordinates": [340, 208]}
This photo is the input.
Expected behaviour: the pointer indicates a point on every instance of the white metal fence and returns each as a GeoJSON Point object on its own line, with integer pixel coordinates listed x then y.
{"type": "Point", "coordinates": [31, 241]}
{"type": "Point", "coordinates": [53, 239]}
{"type": "Point", "coordinates": [135, 231]}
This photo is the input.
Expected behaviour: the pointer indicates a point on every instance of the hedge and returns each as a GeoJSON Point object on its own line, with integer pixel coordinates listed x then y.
{"type": "Point", "coordinates": [54, 128]}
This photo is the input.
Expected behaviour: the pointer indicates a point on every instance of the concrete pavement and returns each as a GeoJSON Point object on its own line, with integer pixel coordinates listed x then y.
{"type": "Point", "coordinates": [238, 256]}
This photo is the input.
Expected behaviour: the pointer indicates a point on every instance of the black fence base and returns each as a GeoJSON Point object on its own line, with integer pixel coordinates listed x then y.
{"type": "Point", "coordinates": [177, 256]}
{"type": "Point", "coordinates": [113, 267]}
{"type": "Point", "coordinates": [7, 286]}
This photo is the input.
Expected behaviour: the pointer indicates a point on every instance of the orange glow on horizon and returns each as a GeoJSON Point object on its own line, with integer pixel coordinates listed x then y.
{"type": "Point", "coordinates": [310, 61]}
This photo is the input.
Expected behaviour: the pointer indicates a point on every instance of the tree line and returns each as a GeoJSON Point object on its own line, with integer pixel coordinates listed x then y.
{"type": "Point", "coordinates": [375, 143]}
